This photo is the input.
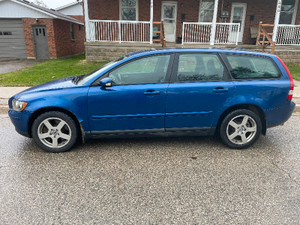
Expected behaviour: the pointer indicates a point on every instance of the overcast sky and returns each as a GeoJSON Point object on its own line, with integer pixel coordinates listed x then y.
{"type": "Point", "coordinates": [56, 3]}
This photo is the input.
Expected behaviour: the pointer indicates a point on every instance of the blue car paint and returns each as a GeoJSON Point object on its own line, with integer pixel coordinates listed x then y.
{"type": "Point", "coordinates": [126, 107]}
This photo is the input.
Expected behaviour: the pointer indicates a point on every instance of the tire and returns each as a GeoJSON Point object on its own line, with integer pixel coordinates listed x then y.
{"type": "Point", "coordinates": [54, 132]}
{"type": "Point", "coordinates": [240, 129]}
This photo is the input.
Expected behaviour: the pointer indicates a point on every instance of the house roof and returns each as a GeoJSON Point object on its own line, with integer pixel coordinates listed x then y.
{"type": "Point", "coordinates": [69, 5]}
{"type": "Point", "coordinates": [48, 12]}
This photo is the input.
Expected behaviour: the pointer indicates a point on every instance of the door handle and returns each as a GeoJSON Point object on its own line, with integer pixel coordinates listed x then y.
{"type": "Point", "coordinates": [151, 92]}
{"type": "Point", "coordinates": [220, 90]}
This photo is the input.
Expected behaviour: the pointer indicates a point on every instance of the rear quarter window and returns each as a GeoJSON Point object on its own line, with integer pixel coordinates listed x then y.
{"type": "Point", "coordinates": [245, 67]}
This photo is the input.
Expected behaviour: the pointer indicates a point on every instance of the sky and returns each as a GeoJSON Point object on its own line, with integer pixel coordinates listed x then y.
{"type": "Point", "coordinates": [56, 3]}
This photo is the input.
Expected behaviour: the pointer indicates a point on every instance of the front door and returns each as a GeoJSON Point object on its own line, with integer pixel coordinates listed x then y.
{"type": "Point", "coordinates": [169, 17]}
{"type": "Point", "coordinates": [238, 15]}
{"type": "Point", "coordinates": [40, 42]}
{"type": "Point", "coordinates": [136, 100]}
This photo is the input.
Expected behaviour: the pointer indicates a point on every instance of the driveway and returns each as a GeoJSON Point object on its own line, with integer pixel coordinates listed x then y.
{"type": "Point", "coordinates": [10, 65]}
{"type": "Point", "coordinates": [183, 180]}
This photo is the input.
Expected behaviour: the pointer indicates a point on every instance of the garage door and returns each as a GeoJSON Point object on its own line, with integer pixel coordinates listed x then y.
{"type": "Point", "coordinates": [12, 41]}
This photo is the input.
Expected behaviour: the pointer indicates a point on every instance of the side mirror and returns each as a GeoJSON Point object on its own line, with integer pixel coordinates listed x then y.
{"type": "Point", "coordinates": [105, 82]}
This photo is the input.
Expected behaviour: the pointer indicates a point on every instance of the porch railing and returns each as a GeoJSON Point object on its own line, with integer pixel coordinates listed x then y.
{"type": "Point", "coordinates": [200, 33]}
{"type": "Point", "coordinates": [288, 35]}
{"type": "Point", "coordinates": [119, 31]}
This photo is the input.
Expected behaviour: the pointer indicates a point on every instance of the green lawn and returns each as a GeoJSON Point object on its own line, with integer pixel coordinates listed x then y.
{"type": "Point", "coordinates": [295, 71]}
{"type": "Point", "coordinates": [50, 70]}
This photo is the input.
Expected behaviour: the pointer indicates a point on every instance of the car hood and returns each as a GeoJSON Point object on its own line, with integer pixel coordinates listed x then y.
{"type": "Point", "coordinates": [52, 85]}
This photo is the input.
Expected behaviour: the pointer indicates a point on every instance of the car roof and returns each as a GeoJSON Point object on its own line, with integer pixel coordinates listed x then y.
{"type": "Point", "coordinates": [152, 51]}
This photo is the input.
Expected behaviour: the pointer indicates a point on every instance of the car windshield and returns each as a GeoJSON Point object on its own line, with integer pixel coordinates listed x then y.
{"type": "Point", "coordinates": [83, 79]}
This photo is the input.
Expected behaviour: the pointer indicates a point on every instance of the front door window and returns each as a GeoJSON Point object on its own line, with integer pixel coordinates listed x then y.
{"type": "Point", "coordinates": [288, 11]}
{"type": "Point", "coordinates": [149, 70]}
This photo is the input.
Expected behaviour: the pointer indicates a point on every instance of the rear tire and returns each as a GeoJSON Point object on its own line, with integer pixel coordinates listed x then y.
{"type": "Point", "coordinates": [54, 132]}
{"type": "Point", "coordinates": [240, 129]}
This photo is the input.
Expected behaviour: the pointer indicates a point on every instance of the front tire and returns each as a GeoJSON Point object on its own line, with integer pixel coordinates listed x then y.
{"type": "Point", "coordinates": [240, 129]}
{"type": "Point", "coordinates": [54, 132]}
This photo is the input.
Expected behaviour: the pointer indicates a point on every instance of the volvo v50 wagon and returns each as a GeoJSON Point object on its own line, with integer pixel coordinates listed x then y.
{"type": "Point", "coordinates": [234, 94]}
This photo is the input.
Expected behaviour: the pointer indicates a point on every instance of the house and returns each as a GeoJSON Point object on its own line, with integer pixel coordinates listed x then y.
{"type": "Point", "coordinates": [31, 31]}
{"type": "Point", "coordinates": [73, 9]}
{"type": "Point", "coordinates": [201, 22]}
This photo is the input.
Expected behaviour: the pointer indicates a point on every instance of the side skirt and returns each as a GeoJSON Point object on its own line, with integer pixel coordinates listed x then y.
{"type": "Point", "coordinates": [194, 131]}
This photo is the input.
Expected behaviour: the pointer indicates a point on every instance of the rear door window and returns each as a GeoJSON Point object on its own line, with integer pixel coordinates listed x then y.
{"type": "Point", "coordinates": [245, 67]}
{"type": "Point", "coordinates": [199, 67]}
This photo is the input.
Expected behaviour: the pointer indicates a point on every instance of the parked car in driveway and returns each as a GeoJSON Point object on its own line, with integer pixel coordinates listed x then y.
{"type": "Point", "coordinates": [235, 94]}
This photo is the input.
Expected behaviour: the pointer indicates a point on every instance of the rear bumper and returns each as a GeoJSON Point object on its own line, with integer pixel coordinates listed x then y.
{"type": "Point", "coordinates": [283, 114]}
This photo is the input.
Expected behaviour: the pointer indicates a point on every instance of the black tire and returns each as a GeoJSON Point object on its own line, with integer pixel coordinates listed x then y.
{"type": "Point", "coordinates": [240, 129]}
{"type": "Point", "coordinates": [54, 132]}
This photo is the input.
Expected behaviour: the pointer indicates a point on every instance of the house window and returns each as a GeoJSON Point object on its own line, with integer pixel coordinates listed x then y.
{"type": "Point", "coordinates": [206, 11]}
{"type": "Point", "coordinates": [128, 9]}
{"type": "Point", "coordinates": [72, 31]}
{"type": "Point", "coordinates": [288, 11]}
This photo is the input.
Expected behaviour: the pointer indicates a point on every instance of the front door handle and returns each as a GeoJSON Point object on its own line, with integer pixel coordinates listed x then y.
{"type": "Point", "coordinates": [151, 92]}
{"type": "Point", "coordinates": [220, 90]}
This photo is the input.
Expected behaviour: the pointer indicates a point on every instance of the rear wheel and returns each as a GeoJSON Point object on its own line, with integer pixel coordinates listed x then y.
{"type": "Point", "coordinates": [54, 132]}
{"type": "Point", "coordinates": [240, 129]}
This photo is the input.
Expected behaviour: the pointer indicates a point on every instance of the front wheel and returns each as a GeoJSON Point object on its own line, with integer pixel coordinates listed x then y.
{"type": "Point", "coordinates": [240, 129]}
{"type": "Point", "coordinates": [54, 132]}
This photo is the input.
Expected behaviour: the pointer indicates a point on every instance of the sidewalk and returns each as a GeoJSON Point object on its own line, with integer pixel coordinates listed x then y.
{"type": "Point", "coordinates": [7, 92]}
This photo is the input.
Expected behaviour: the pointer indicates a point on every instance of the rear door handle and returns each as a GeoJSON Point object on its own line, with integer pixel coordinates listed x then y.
{"type": "Point", "coordinates": [220, 90]}
{"type": "Point", "coordinates": [151, 92]}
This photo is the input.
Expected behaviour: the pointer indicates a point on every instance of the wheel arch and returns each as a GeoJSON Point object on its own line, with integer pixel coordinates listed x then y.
{"type": "Point", "coordinates": [57, 109]}
{"type": "Point", "coordinates": [254, 108]}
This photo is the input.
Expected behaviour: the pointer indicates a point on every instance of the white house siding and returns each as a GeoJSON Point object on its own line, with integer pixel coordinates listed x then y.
{"type": "Point", "coordinates": [10, 9]}
{"type": "Point", "coordinates": [74, 10]}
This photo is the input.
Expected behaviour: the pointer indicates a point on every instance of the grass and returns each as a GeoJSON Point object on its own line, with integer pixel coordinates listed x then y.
{"type": "Point", "coordinates": [50, 70]}
{"type": "Point", "coordinates": [295, 71]}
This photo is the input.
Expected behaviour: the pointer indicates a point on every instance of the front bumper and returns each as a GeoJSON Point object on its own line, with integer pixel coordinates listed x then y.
{"type": "Point", "coordinates": [20, 120]}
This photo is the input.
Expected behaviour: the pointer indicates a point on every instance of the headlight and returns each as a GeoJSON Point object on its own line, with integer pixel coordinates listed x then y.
{"type": "Point", "coordinates": [18, 106]}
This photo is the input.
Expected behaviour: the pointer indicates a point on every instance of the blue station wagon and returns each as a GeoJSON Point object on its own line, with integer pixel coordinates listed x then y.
{"type": "Point", "coordinates": [234, 94]}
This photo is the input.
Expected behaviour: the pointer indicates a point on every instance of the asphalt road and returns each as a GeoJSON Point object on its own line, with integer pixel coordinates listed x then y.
{"type": "Point", "coordinates": [178, 180]}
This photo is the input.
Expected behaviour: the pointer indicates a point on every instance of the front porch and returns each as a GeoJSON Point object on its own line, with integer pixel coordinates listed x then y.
{"type": "Point", "coordinates": [129, 24]}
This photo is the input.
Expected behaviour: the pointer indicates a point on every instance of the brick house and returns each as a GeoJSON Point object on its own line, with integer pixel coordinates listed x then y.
{"type": "Point", "coordinates": [31, 31]}
{"type": "Point", "coordinates": [202, 22]}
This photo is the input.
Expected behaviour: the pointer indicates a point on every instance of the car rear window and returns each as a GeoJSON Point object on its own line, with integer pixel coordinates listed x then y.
{"type": "Point", "coordinates": [252, 67]}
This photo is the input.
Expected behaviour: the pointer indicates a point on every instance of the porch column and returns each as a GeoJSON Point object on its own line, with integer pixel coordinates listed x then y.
{"type": "Point", "coordinates": [277, 17]}
{"type": "Point", "coordinates": [151, 22]}
{"type": "Point", "coordinates": [87, 20]}
{"type": "Point", "coordinates": [214, 23]}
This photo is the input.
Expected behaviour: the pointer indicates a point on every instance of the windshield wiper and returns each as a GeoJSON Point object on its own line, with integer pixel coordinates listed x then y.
{"type": "Point", "coordinates": [77, 79]}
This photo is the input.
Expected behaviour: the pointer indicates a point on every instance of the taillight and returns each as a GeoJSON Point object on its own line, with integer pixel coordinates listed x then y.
{"type": "Point", "coordinates": [291, 91]}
